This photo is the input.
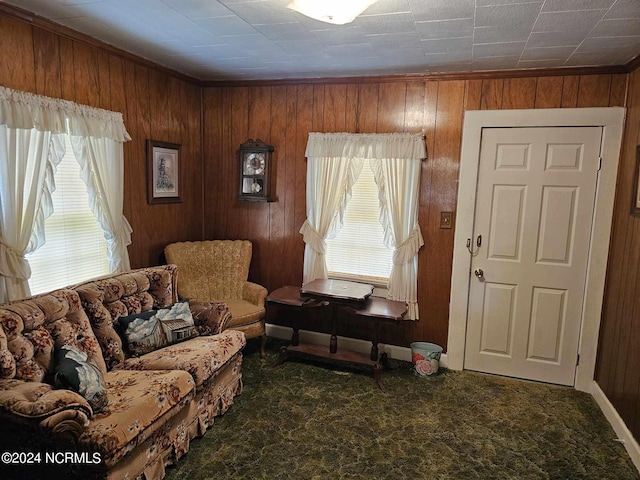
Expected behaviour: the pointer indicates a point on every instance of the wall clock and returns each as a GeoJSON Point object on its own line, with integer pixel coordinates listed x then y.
{"type": "Point", "coordinates": [255, 166]}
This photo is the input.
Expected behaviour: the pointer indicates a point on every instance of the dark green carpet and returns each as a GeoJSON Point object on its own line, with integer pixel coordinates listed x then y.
{"type": "Point", "coordinates": [309, 421]}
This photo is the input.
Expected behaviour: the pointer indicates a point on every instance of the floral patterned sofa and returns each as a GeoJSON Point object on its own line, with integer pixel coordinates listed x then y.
{"type": "Point", "coordinates": [156, 402]}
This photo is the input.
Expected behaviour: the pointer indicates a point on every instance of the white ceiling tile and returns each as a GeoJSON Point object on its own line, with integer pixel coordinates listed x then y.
{"type": "Point", "coordinates": [547, 53]}
{"type": "Point", "coordinates": [392, 23]}
{"type": "Point", "coordinates": [572, 5]}
{"type": "Point", "coordinates": [395, 41]}
{"type": "Point", "coordinates": [199, 8]}
{"type": "Point", "coordinates": [563, 21]}
{"type": "Point", "coordinates": [226, 26]}
{"type": "Point", "coordinates": [194, 37]}
{"type": "Point", "coordinates": [447, 45]}
{"type": "Point", "coordinates": [617, 27]}
{"type": "Point", "coordinates": [449, 58]}
{"type": "Point", "coordinates": [507, 33]}
{"type": "Point", "coordinates": [344, 36]}
{"type": "Point", "coordinates": [555, 39]}
{"type": "Point", "coordinates": [522, 15]}
{"type": "Point", "coordinates": [445, 28]}
{"type": "Point", "coordinates": [495, 63]}
{"type": "Point", "coordinates": [498, 49]}
{"type": "Point", "coordinates": [624, 9]}
{"type": "Point", "coordinates": [383, 7]}
{"type": "Point", "coordinates": [424, 11]}
{"type": "Point", "coordinates": [282, 31]}
{"type": "Point", "coordinates": [264, 12]}
{"type": "Point", "coordinates": [604, 44]}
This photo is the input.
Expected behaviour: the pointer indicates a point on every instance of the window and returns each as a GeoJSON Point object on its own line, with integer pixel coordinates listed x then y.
{"type": "Point", "coordinates": [358, 251]}
{"type": "Point", "coordinates": [75, 248]}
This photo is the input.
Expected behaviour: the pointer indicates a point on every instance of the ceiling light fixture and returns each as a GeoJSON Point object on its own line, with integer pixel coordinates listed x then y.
{"type": "Point", "coordinates": [337, 12]}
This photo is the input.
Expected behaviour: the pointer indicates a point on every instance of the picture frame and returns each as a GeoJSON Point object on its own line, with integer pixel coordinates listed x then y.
{"type": "Point", "coordinates": [635, 201]}
{"type": "Point", "coordinates": [163, 172]}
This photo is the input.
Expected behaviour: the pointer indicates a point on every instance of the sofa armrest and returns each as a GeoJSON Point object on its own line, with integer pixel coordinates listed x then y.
{"type": "Point", "coordinates": [210, 318]}
{"type": "Point", "coordinates": [254, 293]}
{"type": "Point", "coordinates": [58, 413]}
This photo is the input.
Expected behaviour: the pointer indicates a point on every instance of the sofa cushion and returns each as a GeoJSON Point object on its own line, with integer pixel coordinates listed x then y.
{"type": "Point", "coordinates": [210, 318]}
{"type": "Point", "coordinates": [139, 404]}
{"type": "Point", "coordinates": [74, 371]}
{"type": "Point", "coordinates": [145, 332]}
{"type": "Point", "coordinates": [32, 327]}
{"type": "Point", "coordinates": [202, 357]}
{"type": "Point", "coordinates": [107, 299]}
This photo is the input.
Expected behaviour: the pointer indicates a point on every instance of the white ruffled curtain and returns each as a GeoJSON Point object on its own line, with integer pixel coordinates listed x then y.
{"type": "Point", "coordinates": [334, 164]}
{"type": "Point", "coordinates": [329, 182]}
{"type": "Point", "coordinates": [102, 170]}
{"type": "Point", "coordinates": [398, 181]}
{"type": "Point", "coordinates": [31, 146]}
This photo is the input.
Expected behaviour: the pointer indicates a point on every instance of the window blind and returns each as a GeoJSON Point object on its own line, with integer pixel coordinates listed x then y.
{"type": "Point", "coordinates": [358, 251]}
{"type": "Point", "coordinates": [75, 248]}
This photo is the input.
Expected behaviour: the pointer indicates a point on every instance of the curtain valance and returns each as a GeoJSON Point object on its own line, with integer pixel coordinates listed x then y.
{"type": "Point", "coordinates": [366, 145]}
{"type": "Point", "coordinates": [26, 110]}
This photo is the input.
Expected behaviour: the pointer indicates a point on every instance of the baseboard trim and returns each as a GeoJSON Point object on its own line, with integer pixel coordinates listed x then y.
{"type": "Point", "coordinates": [357, 345]}
{"type": "Point", "coordinates": [624, 434]}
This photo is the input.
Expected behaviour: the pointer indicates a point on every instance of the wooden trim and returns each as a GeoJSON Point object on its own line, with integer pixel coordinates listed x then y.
{"type": "Point", "coordinates": [58, 29]}
{"type": "Point", "coordinates": [633, 65]}
{"type": "Point", "coordinates": [617, 423]}
{"type": "Point", "coordinates": [422, 77]}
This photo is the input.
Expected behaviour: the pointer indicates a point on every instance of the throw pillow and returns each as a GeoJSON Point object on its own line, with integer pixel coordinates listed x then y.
{"type": "Point", "coordinates": [148, 331]}
{"type": "Point", "coordinates": [74, 371]}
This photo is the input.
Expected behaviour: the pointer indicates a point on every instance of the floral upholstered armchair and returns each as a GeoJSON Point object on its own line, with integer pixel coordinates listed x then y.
{"type": "Point", "coordinates": [217, 270]}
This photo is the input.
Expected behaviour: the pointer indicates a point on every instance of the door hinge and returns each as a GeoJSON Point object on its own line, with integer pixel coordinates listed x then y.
{"type": "Point", "coordinates": [578, 360]}
{"type": "Point", "coordinates": [599, 163]}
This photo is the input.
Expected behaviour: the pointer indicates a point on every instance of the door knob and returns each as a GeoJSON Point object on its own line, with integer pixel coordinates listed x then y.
{"type": "Point", "coordinates": [478, 273]}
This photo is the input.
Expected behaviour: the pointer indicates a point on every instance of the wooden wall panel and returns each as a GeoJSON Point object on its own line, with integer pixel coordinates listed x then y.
{"type": "Point", "coordinates": [17, 60]}
{"type": "Point", "coordinates": [619, 342]}
{"type": "Point", "coordinates": [49, 64]}
{"type": "Point", "coordinates": [433, 107]}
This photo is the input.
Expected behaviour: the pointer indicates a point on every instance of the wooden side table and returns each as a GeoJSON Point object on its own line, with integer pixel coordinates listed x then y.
{"type": "Point", "coordinates": [353, 297]}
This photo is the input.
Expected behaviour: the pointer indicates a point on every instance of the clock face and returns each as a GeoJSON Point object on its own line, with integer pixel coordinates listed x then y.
{"type": "Point", "coordinates": [254, 163]}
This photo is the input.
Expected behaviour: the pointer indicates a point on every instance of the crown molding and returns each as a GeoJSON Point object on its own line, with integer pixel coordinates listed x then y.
{"type": "Point", "coordinates": [422, 77]}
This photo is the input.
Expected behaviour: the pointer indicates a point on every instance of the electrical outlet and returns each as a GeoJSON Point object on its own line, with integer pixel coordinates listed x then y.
{"type": "Point", "coordinates": [446, 219]}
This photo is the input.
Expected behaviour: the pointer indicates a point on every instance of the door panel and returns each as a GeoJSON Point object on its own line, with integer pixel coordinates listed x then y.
{"type": "Point", "coordinates": [534, 210]}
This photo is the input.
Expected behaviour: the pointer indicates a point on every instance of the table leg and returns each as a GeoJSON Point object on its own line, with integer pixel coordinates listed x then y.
{"type": "Point", "coordinates": [333, 343]}
{"type": "Point", "coordinates": [295, 338]}
{"type": "Point", "coordinates": [374, 342]}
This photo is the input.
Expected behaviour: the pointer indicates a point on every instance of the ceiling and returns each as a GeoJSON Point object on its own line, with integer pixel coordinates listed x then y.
{"type": "Point", "coordinates": [262, 39]}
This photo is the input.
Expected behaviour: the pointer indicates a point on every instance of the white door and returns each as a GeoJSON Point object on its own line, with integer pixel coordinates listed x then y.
{"type": "Point", "coordinates": [534, 212]}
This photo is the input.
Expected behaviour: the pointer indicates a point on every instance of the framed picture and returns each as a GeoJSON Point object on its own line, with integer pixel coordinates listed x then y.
{"type": "Point", "coordinates": [635, 205]}
{"type": "Point", "coordinates": [163, 172]}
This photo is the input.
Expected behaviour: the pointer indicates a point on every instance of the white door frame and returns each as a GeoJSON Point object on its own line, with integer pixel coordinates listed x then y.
{"type": "Point", "coordinates": [612, 121]}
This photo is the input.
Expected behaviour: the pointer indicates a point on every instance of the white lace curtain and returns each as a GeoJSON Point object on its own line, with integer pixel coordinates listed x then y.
{"type": "Point", "coordinates": [31, 147]}
{"type": "Point", "coordinates": [334, 162]}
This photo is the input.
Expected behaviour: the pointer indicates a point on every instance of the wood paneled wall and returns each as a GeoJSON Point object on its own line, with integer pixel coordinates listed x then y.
{"type": "Point", "coordinates": [284, 115]}
{"type": "Point", "coordinates": [619, 350]}
{"type": "Point", "coordinates": [155, 106]}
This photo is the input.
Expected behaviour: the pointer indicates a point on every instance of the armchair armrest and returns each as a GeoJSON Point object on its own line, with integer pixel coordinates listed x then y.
{"type": "Point", "coordinates": [57, 413]}
{"type": "Point", "coordinates": [254, 293]}
{"type": "Point", "coordinates": [210, 318]}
